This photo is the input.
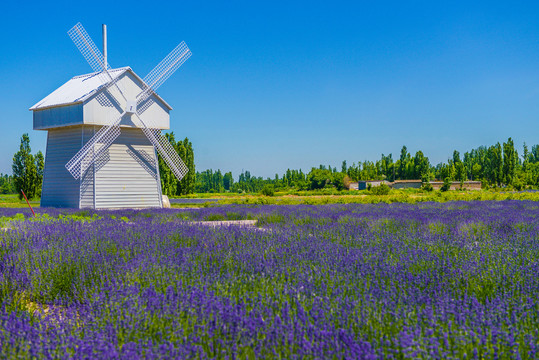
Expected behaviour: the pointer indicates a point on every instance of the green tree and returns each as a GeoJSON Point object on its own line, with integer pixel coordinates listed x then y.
{"type": "Point", "coordinates": [401, 168]}
{"type": "Point", "coordinates": [338, 180]}
{"type": "Point", "coordinates": [498, 163]}
{"type": "Point", "coordinates": [40, 167]}
{"type": "Point", "coordinates": [447, 184]}
{"type": "Point", "coordinates": [319, 178]}
{"type": "Point", "coordinates": [7, 185]}
{"type": "Point", "coordinates": [509, 161]}
{"type": "Point", "coordinates": [187, 184]}
{"type": "Point", "coordinates": [425, 183]}
{"type": "Point", "coordinates": [182, 183]}
{"type": "Point", "coordinates": [421, 165]}
{"type": "Point", "coordinates": [228, 181]}
{"type": "Point", "coordinates": [456, 156]}
{"type": "Point", "coordinates": [268, 190]}
{"type": "Point", "coordinates": [493, 171]}
{"type": "Point", "coordinates": [534, 154]}
{"type": "Point", "coordinates": [446, 170]}
{"type": "Point", "coordinates": [387, 167]}
{"type": "Point", "coordinates": [460, 169]}
{"type": "Point", "coordinates": [354, 171]}
{"type": "Point", "coordinates": [532, 175]}
{"type": "Point", "coordinates": [476, 172]}
{"type": "Point", "coordinates": [169, 183]}
{"type": "Point", "coordinates": [24, 170]}
{"type": "Point", "coordinates": [168, 179]}
{"type": "Point", "coordinates": [525, 157]}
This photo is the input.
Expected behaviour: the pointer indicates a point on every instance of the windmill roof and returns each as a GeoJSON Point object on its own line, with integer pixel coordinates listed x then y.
{"type": "Point", "coordinates": [82, 87]}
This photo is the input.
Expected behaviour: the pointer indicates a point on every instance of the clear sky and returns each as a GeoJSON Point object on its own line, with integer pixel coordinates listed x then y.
{"type": "Point", "coordinates": [292, 84]}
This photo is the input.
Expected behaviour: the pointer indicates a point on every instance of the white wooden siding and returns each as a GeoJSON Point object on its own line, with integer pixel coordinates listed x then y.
{"type": "Point", "coordinates": [127, 175]}
{"type": "Point", "coordinates": [156, 116]}
{"type": "Point", "coordinates": [87, 183]}
{"type": "Point", "coordinates": [60, 189]}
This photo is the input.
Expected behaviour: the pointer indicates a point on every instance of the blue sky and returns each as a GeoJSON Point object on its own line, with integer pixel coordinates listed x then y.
{"type": "Point", "coordinates": [284, 84]}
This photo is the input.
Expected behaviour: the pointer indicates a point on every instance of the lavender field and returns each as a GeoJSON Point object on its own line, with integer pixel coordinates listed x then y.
{"type": "Point", "coordinates": [430, 280]}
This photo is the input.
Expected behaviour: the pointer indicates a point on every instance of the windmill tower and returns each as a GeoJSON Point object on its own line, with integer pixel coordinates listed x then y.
{"type": "Point", "coordinates": [104, 130]}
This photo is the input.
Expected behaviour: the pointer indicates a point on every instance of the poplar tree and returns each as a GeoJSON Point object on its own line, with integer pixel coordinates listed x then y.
{"type": "Point", "coordinates": [187, 184]}
{"type": "Point", "coordinates": [168, 179]}
{"type": "Point", "coordinates": [228, 180]}
{"type": "Point", "coordinates": [509, 161]}
{"type": "Point", "coordinates": [40, 167]}
{"type": "Point", "coordinates": [169, 183]}
{"type": "Point", "coordinates": [401, 169]}
{"type": "Point", "coordinates": [25, 174]}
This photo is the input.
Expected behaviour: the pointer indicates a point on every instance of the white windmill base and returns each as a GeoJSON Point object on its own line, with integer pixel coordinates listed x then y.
{"type": "Point", "coordinates": [125, 176]}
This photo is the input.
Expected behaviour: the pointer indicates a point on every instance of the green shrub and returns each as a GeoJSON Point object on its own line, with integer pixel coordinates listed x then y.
{"type": "Point", "coordinates": [427, 186]}
{"type": "Point", "coordinates": [338, 181]}
{"type": "Point", "coordinates": [268, 190]}
{"type": "Point", "coordinates": [447, 184]}
{"type": "Point", "coordinates": [382, 189]}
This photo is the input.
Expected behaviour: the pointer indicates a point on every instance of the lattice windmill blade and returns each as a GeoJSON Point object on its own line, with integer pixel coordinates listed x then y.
{"type": "Point", "coordinates": [91, 151]}
{"type": "Point", "coordinates": [152, 81]}
{"type": "Point", "coordinates": [107, 134]}
{"type": "Point", "coordinates": [164, 70]}
{"type": "Point", "coordinates": [101, 114]}
{"type": "Point", "coordinates": [89, 51]}
{"type": "Point", "coordinates": [102, 140]}
{"type": "Point", "coordinates": [93, 56]}
{"type": "Point", "coordinates": [86, 46]}
{"type": "Point", "coordinates": [165, 149]}
{"type": "Point", "coordinates": [167, 152]}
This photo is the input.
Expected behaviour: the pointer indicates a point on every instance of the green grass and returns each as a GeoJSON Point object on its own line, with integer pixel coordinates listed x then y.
{"type": "Point", "coordinates": [326, 196]}
{"type": "Point", "coordinates": [12, 201]}
{"type": "Point", "coordinates": [366, 197]}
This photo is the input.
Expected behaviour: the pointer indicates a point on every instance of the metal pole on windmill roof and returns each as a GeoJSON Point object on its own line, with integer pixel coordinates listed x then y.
{"type": "Point", "coordinates": [105, 45]}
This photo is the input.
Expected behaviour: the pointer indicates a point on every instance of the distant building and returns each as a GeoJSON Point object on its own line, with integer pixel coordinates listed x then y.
{"type": "Point", "coordinates": [364, 184]}
{"type": "Point", "coordinates": [456, 185]}
{"type": "Point", "coordinates": [406, 184]}
{"type": "Point", "coordinates": [414, 184]}
{"type": "Point", "coordinates": [436, 185]}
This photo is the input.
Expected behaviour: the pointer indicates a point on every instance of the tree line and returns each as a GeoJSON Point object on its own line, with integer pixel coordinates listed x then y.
{"type": "Point", "coordinates": [498, 165]}
{"type": "Point", "coordinates": [7, 184]}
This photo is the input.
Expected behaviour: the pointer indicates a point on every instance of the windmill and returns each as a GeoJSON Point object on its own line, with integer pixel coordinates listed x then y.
{"type": "Point", "coordinates": [105, 127]}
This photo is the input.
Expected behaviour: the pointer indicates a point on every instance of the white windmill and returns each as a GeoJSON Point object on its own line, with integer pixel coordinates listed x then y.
{"type": "Point", "coordinates": [104, 129]}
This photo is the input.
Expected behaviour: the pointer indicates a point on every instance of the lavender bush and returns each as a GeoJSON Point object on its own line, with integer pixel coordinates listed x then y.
{"type": "Point", "coordinates": [452, 280]}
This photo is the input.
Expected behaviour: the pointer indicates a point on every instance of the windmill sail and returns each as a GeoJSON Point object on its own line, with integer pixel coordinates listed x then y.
{"type": "Point", "coordinates": [164, 70]}
{"type": "Point", "coordinates": [166, 150]}
{"type": "Point", "coordinates": [93, 149]}
{"type": "Point", "coordinates": [105, 137]}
